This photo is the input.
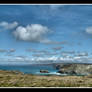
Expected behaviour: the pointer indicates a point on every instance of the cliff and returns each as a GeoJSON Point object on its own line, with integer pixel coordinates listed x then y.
{"type": "Point", "coordinates": [74, 69]}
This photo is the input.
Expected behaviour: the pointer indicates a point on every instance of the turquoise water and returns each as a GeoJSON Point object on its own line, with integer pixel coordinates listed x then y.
{"type": "Point", "coordinates": [31, 69]}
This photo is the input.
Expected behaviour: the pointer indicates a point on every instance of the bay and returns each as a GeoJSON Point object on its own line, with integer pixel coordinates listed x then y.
{"type": "Point", "coordinates": [31, 69]}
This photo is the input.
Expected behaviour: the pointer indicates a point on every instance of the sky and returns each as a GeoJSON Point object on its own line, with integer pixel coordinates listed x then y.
{"type": "Point", "coordinates": [45, 34]}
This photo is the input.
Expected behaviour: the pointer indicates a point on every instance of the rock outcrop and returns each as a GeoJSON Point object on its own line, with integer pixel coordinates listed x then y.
{"type": "Point", "coordinates": [74, 69]}
{"type": "Point", "coordinates": [44, 71]}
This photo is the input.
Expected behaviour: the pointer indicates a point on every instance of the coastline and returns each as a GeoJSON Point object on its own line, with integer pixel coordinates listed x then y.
{"type": "Point", "coordinates": [18, 79]}
{"type": "Point", "coordinates": [53, 68]}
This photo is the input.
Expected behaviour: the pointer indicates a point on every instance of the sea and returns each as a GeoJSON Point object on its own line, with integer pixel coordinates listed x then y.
{"type": "Point", "coordinates": [32, 69]}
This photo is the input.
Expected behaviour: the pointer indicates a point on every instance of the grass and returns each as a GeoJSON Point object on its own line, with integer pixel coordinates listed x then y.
{"type": "Point", "coordinates": [11, 79]}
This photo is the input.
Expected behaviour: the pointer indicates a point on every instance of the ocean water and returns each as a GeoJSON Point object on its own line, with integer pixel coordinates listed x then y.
{"type": "Point", "coordinates": [31, 69]}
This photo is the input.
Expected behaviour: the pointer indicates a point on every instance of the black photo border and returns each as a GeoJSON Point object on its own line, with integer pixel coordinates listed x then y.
{"type": "Point", "coordinates": [5, 2]}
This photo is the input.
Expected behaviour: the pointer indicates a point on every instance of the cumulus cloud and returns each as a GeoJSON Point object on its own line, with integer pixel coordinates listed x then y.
{"type": "Point", "coordinates": [40, 58]}
{"type": "Point", "coordinates": [7, 52]}
{"type": "Point", "coordinates": [37, 55]}
{"type": "Point", "coordinates": [3, 50]}
{"type": "Point", "coordinates": [57, 48]}
{"type": "Point", "coordinates": [32, 50]}
{"type": "Point", "coordinates": [68, 52]}
{"type": "Point", "coordinates": [89, 30]}
{"type": "Point", "coordinates": [21, 56]}
{"type": "Point", "coordinates": [82, 54]}
{"type": "Point", "coordinates": [7, 25]}
{"type": "Point", "coordinates": [32, 33]}
{"type": "Point", "coordinates": [12, 50]}
{"type": "Point", "coordinates": [9, 55]}
{"type": "Point", "coordinates": [38, 52]}
{"type": "Point", "coordinates": [56, 42]}
{"type": "Point", "coordinates": [51, 54]}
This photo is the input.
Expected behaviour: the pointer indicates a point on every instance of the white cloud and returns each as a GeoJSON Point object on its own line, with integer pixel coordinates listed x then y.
{"type": "Point", "coordinates": [57, 48]}
{"type": "Point", "coordinates": [68, 52]}
{"type": "Point", "coordinates": [83, 54]}
{"type": "Point", "coordinates": [89, 30]}
{"type": "Point", "coordinates": [7, 25]}
{"type": "Point", "coordinates": [52, 59]}
{"type": "Point", "coordinates": [12, 50]}
{"type": "Point", "coordinates": [32, 33]}
{"type": "Point", "coordinates": [3, 50]}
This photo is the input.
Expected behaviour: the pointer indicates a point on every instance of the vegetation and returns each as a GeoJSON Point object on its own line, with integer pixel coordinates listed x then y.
{"type": "Point", "coordinates": [17, 79]}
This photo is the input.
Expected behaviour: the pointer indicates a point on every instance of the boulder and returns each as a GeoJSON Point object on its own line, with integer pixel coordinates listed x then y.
{"type": "Point", "coordinates": [44, 71]}
{"type": "Point", "coordinates": [62, 71]}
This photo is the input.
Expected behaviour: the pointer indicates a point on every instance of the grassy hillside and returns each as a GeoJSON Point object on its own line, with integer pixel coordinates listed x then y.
{"type": "Point", "coordinates": [17, 79]}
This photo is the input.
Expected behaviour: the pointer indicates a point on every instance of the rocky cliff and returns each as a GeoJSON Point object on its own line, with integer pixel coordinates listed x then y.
{"type": "Point", "coordinates": [74, 69]}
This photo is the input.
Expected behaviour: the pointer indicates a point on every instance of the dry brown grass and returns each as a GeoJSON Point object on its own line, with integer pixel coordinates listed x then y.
{"type": "Point", "coordinates": [11, 79]}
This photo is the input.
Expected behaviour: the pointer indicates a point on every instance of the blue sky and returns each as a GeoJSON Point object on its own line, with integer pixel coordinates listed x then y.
{"type": "Point", "coordinates": [45, 32]}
